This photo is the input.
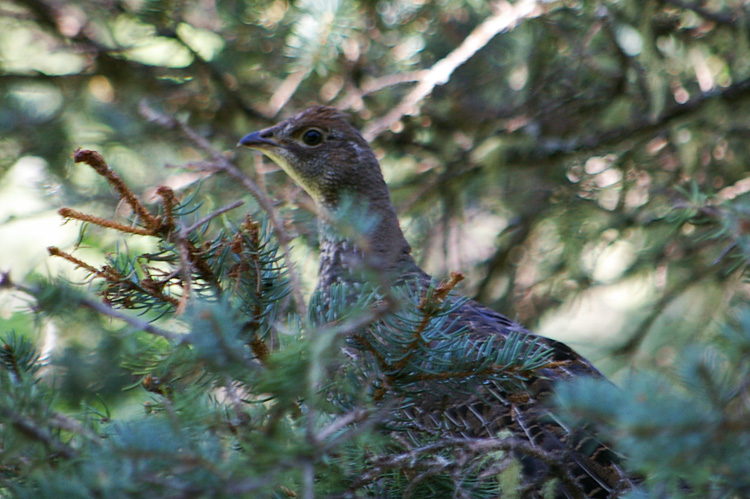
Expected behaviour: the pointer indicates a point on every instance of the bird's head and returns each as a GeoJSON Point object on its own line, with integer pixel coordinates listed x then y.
{"type": "Point", "coordinates": [324, 154]}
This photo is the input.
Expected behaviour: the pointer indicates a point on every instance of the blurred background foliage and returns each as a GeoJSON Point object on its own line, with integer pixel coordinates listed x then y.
{"type": "Point", "coordinates": [547, 168]}
{"type": "Point", "coordinates": [587, 169]}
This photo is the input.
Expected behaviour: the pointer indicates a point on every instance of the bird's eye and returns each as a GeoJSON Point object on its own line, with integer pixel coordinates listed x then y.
{"type": "Point", "coordinates": [312, 137]}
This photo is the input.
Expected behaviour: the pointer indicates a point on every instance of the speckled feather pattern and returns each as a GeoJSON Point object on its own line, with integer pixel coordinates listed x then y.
{"type": "Point", "coordinates": [344, 164]}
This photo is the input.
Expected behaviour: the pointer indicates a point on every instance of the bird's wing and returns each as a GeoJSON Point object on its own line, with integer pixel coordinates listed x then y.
{"type": "Point", "coordinates": [546, 448]}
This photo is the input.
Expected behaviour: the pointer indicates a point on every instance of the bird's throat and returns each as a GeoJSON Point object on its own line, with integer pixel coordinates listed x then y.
{"type": "Point", "coordinates": [361, 241]}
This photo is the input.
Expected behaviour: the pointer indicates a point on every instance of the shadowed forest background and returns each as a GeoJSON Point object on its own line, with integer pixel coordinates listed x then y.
{"type": "Point", "coordinates": [583, 164]}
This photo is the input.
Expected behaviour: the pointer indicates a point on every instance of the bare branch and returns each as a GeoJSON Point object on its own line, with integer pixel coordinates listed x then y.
{"type": "Point", "coordinates": [137, 323]}
{"type": "Point", "coordinates": [339, 423]}
{"type": "Point", "coordinates": [507, 18]}
{"type": "Point", "coordinates": [285, 91]}
{"type": "Point", "coordinates": [354, 95]}
{"type": "Point", "coordinates": [211, 216]}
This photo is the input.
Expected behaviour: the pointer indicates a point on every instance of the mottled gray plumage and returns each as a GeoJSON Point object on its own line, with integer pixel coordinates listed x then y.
{"type": "Point", "coordinates": [322, 152]}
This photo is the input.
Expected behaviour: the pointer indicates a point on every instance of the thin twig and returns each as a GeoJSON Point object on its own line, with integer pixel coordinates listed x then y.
{"type": "Point", "coordinates": [96, 161]}
{"type": "Point", "coordinates": [340, 422]}
{"type": "Point", "coordinates": [358, 322]}
{"type": "Point", "coordinates": [366, 423]}
{"type": "Point", "coordinates": [168, 199]}
{"type": "Point", "coordinates": [137, 323]}
{"type": "Point", "coordinates": [103, 222]}
{"type": "Point", "coordinates": [308, 480]}
{"type": "Point", "coordinates": [55, 251]}
{"type": "Point", "coordinates": [211, 216]}
{"type": "Point", "coordinates": [187, 276]}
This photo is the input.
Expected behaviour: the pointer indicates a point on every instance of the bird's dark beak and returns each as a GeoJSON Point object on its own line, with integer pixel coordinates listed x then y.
{"type": "Point", "coordinates": [258, 140]}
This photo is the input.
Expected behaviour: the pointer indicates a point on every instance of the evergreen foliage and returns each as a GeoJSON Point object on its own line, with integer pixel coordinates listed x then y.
{"type": "Point", "coordinates": [689, 435]}
{"type": "Point", "coordinates": [588, 156]}
{"type": "Point", "coordinates": [237, 408]}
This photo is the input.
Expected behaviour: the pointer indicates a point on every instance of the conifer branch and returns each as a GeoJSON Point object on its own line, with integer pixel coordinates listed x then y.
{"type": "Point", "coordinates": [223, 164]}
{"type": "Point", "coordinates": [106, 310]}
{"type": "Point", "coordinates": [33, 430]}
{"type": "Point", "coordinates": [18, 356]}
{"type": "Point", "coordinates": [116, 280]}
{"type": "Point", "coordinates": [168, 199]}
{"type": "Point", "coordinates": [103, 222]}
{"type": "Point", "coordinates": [54, 251]}
{"type": "Point", "coordinates": [162, 227]}
{"type": "Point", "coordinates": [429, 304]}
{"type": "Point", "coordinates": [96, 161]}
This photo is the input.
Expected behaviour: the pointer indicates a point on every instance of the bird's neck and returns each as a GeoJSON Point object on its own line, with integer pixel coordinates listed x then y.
{"type": "Point", "coordinates": [362, 239]}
